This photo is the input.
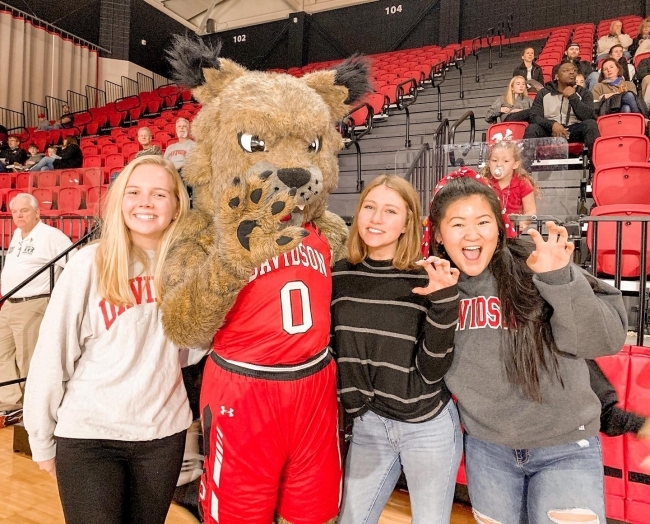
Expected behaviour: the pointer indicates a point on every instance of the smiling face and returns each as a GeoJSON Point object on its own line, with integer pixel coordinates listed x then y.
{"type": "Point", "coordinates": [381, 221]}
{"type": "Point", "coordinates": [469, 233]}
{"type": "Point", "coordinates": [149, 204]}
{"type": "Point", "coordinates": [610, 70]}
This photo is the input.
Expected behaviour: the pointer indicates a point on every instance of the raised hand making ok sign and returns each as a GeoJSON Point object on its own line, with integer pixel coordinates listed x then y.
{"type": "Point", "coordinates": [554, 253]}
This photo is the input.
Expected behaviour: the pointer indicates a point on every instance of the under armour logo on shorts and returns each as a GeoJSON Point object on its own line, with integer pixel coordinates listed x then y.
{"type": "Point", "coordinates": [227, 411]}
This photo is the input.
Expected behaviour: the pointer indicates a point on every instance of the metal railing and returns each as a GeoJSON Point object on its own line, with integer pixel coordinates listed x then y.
{"type": "Point", "coordinates": [129, 87]}
{"type": "Point", "coordinates": [440, 138]}
{"type": "Point", "coordinates": [405, 99]}
{"type": "Point", "coordinates": [31, 112]}
{"type": "Point", "coordinates": [476, 48]}
{"type": "Point", "coordinates": [145, 83]}
{"type": "Point", "coordinates": [459, 62]}
{"type": "Point", "coordinates": [12, 120]}
{"type": "Point", "coordinates": [437, 76]}
{"type": "Point", "coordinates": [77, 101]}
{"type": "Point", "coordinates": [113, 91]}
{"type": "Point", "coordinates": [54, 106]}
{"type": "Point", "coordinates": [421, 175]}
{"type": "Point", "coordinates": [96, 97]}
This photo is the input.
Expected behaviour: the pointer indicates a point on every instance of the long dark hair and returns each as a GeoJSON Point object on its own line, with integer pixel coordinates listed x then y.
{"type": "Point", "coordinates": [525, 313]}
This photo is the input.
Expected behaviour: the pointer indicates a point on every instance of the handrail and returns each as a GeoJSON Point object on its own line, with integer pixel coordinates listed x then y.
{"type": "Point", "coordinates": [459, 61]}
{"type": "Point", "coordinates": [50, 265]}
{"type": "Point", "coordinates": [368, 121]}
{"type": "Point", "coordinates": [421, 175]}
{"type": "Point", "coordinates": [423, 148]}
{"type": "Point", "coordinates": [489, 38]}
{"type": "Point", "coordinates": [403, 104]}
{"type": "Point", "coordinates": [472, 122]}
{"type": "Point", "coordinates": [475, 51]}
{"type": "Point", "coordinates": [438, 70]}
{"type": "Point", "coordinates": [440, 137]}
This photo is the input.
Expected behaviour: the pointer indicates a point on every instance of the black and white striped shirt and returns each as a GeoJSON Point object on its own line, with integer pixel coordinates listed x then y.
{"type": "Point", "coordinates": [393, 347]}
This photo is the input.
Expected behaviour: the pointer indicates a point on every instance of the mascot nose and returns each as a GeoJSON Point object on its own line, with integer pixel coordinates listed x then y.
{"type": "Point", "coordinates": [294, 177]}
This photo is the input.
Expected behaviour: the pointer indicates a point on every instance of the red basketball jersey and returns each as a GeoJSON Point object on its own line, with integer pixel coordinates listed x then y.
{"type": "Point", "coordinates": [282, 316]}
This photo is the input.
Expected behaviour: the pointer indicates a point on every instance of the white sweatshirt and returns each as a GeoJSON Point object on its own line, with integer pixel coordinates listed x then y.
{"type": "Point", "coordinates": [99, 371]}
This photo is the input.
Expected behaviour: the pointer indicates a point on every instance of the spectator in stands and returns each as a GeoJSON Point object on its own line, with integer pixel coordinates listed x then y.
{"type": "Point", "coordinates": [511, 182]}
{"type": "Point", "coordinates": [178, 151]}
{"type": "Point", "coordinates": [44, 125]}
{"type": "Point", "coordinates": [66, 120]}
{"type": "Point", "coordinates": [32, 246]}
{"type": "Point", "coordinates": [12, 155]}
{"type": "Point", "coordinates": [34, 156]}
{"type": "Point", "coordinates": [613, 94]}
{"type": "Point", "coordinates": [144, 138]}
{"type": "Point", "coordinates": [4, 134]}
{"type": "Point", "coordinates": [512, 106]}
{"type": "Point", "coordinates": [411, 420]}
{"type": "Point", "coordinates": [580, 80]}
{"type": "Point", "coordinates": [530, 70]}
{"type": "Point", "coordinates": [572, 54]}
{"type": "Point", "coordinates": [563, 109]}
{"type": "Point", "coordinates": [69, 156]}
{"type": "Point", "coordinates": [105, 394]}
{"type": "Point", "coordinates": [615, 36]}
{"type": "Point", "coordinates": [643, 74]}
{"type": "Point", "coordinates": [616, 52]}
{"type": "Point", "coordinates": [644, 34]}
{"type": "Point", "coordinates": [530, 416]}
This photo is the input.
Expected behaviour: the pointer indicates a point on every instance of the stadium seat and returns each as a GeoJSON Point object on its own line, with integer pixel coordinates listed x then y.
{"type": "Point", "coordinates": [70, 177]}
{"type": "Point", "coordinates": [6, 180]}
{"type": "Point", "coordinates": [622, 184]}
{"type": "Point", "coordinates": [69, 199]}
{"type": "Point", "coordinates": [93, 161]}
{"type": "Point", "coordinates": [93, 196]}
{"type": "Point", "coordinates": [631, 240]}
{"type": "Point", "coordinates": [621, 124]}
{"type": "Point", "coordinates": [109, 149]}
{"type": "Point", "coordinates": [639, 57]}
{"type": "Point", "coordinates": [513, 130]}
{"type": "Point", "coordinates": [117, 132]}
{"type": "Point", "coordinates": [120, 140]}
{"type": "Point", "coordinates": [102, 140]}
{"type": "Point", "coordinates": [25, 180]}
{"type": "Point", "coordinates": [47, 178]}
{"type": "Point", "coordinates": [130, 147]}
{"type": "Point", "coordinates": [93, 176]}
{"type": "Point", "coordinates": [45, 197]}
{"type": "Point", "coordinates": [620, 150]}
{"type": "Point", "coordinates": [89, 150]}
{"type": "Point", "coordinates": [114, 161]}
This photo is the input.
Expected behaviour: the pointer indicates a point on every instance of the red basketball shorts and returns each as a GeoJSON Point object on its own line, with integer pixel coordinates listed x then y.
{"type": "Point", "coordinates": [271, 444]}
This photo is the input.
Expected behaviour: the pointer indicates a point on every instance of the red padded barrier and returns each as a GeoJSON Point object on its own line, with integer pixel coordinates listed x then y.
{"type": "Point", "coordinates": [638, 400]}
{"type": "Point", "coordinates": [637, 512]}
{"type": "Point", "coordinates": [616, 369]}
{"type": "Point", "coordinates": [614, 507]}
{"type": "Point", "coordinates": [640, 350]}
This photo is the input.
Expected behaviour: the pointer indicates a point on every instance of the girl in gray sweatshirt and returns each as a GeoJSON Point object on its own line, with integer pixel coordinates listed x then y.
{"type": "Point", "coordinates": [528, 318]}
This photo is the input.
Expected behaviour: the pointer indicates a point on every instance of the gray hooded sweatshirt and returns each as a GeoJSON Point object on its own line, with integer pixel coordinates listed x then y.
{"type": "Point", "coordinates": [585, 323]}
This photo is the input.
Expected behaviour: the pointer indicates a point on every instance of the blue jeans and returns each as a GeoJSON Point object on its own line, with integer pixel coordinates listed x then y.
{"type": "Point", "coordinates": [44, 164]}
{"type": "Point", "coordinates": [629, 103]}
{"type": "Point", "coordinates": [541, 485]}
{"type": "Point", "coordinates": [429, 452]}
{"type": "Point", "coordinates": [592, 80]}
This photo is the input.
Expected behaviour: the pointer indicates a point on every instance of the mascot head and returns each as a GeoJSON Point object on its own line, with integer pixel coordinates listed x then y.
{"type": "Point", "coordinates": [275, 125]}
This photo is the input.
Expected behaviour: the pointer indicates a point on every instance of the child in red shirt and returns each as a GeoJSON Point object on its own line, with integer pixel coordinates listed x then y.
{"type": "Point", "coordinates": [513, 185]}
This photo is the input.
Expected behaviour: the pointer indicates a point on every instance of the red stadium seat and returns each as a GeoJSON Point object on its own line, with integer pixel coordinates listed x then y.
{"type": "Point", "coordinates": [513, 130]}
{"type": "Point", "coordinates": [6, 180]}
{"type": "Point", "coordinates": [130, 147]}
{"type": "Point", "coordinates": [45, 197]}
{"type": "Point", "coordinates": [123, 139]}
{"type": "Point", "coordinates": [102, 140]}
{"type": "Point", "coordinates": [639, 57]}
{"type": "Point", "coordinates": [47, 179]}
{"type": "Point", "coordinates": [114, 161]}
{"type": "Point", "coordinates": [70, 177]}
{"type": "Point", "coordinates": [109, 149]}
{"type": "Point", "coordinates": [69, 199]}
{"type": "Point", "coordinates": [93, 196]}
{"type": "Point", "coordinates": [25, 180]}
{"type": "Point", "coordinates": [631, 240]}
{"type": "Point", "coordinates": [621, 124]}
{"type": "Point", "coordinates": [620, 150]}
{"type": "Point", "coordinates": [89, 150]}
{"type": "Point", "coordinates": [93, 176]}
{"type": "Point", "coordinates": [93, 161]}
{"type": "Point", "coordinates": [627, 184]}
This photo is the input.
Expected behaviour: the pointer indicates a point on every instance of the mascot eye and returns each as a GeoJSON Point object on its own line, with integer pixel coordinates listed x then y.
{"type": "Point", "coordinates": [251, 143]}
{"type": "Point", "coordinates": [314, 147]}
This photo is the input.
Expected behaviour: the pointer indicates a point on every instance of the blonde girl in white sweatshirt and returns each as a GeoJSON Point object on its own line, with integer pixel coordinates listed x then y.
{"type": "Point", "coordinates": [105, 406]}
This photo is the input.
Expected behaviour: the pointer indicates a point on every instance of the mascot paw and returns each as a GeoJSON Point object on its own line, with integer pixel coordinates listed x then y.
{"type": "Point", "coordinates": [254, 215]}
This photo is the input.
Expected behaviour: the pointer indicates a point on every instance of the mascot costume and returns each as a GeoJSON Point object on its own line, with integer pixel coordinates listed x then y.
{"type": "Point", "coordinates": [251, 275]}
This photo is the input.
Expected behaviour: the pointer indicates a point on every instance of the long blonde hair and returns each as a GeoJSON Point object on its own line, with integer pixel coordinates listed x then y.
{"type": "Point", "coordinates": [116, 249]}
{"type": "Point", "coordinates": [644, 24]}
{"type": "Point", "coordinates": [408, 244]}
{"type": "Point", "coordinates": [510, 95]}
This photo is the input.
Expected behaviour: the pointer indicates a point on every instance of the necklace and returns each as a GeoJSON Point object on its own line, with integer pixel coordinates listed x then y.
{"type": "Point", "coordinates": [504, 199]}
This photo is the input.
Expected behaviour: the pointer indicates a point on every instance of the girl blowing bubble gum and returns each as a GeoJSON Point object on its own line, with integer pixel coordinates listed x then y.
{"type": "Point", "coordinates": [513, 185]}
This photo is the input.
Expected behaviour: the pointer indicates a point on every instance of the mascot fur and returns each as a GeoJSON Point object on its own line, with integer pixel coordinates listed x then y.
{"type": "Point", "coordinates": [251, 276]}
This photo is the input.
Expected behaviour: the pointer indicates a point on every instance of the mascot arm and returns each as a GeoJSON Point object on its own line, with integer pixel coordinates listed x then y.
{"type": "Point", "coordinates": [206, 271]}
{"type": "Point", "coordinates": [334, 228]}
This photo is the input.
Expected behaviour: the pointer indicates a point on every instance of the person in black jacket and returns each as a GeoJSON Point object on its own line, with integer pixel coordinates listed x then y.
{"type": "Point", "coordinates": [529, 69]}
{"type": "Point", "coordinates": [643, 75]}
{"type": "Point", "coordinates": [572, 54]}
{"type": "Point", "coordinates": [564, 109]}
{"type": "Point", "coordinates": [68, 157]}
{"type": "Point", "coordinates": [12, 154]}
